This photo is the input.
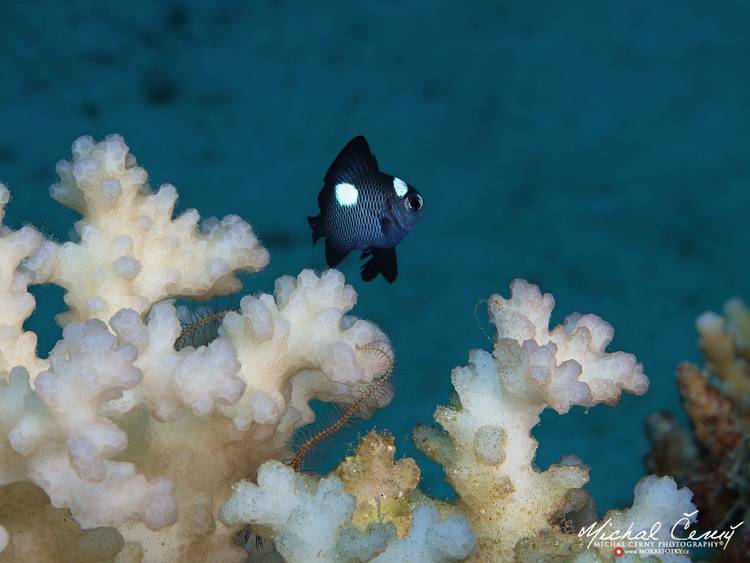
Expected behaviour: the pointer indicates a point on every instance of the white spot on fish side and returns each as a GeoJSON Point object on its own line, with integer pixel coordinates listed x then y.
{"type": "Point", "coordinates": [346, 194]}
{"type": "Point", "coordinates": [400, 187]}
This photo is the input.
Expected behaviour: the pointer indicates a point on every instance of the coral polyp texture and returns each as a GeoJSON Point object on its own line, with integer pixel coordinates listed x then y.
{"type": "Point", "coordinates": [127, 444]}
{"type": "Point", "coordinates": [121, 444]}
{"type": "Point", "coordinates": [370, 508]}
{"type": "Point", "coordinates": [130, 252]}
{"type": "Point", "coordinates": [17, 347]}
{"type": "Point", "coordinates": [713, 456]}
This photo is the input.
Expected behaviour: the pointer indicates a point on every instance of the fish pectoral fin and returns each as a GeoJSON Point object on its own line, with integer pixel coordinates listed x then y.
{"type": "Point", "coordinates": [334, 254]}
{"type": "Point", "coordinates": [354, 160]}
{"type": "Point", "coordinates": [386, 225]}
{"type": "Point", "coordinates": [381, 261]}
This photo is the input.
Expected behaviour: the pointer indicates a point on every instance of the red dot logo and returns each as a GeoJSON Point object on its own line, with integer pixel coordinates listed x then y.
{"type": "Point", "coordinates": [619, 552]}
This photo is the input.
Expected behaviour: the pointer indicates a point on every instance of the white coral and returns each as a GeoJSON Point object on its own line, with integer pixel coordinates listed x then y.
{"type": "Point", "coordinates": [431, 540]}
{"type": "Point", "coordinates": [582, 338]}
{"type": "Point", "coordinates": [120, 495]}
{"type": "Point", "coordinates": [88, 367]}
{"type": "Point", "coordinates": [123, 430]}
{"type": "Point", "coordinates": [195, 378]}
{"type": "Point", "coordinates": [279, 339]}
{"type": "Point", "coordinates": [131, 252]}
{"type": "Point", "coordinates": [489, 460]}
{"type": "Point", "coordinates": [306, 514]}
{"type": "Point", "coordinates": [17, 347]}
{"type": "Point", "coordinates": [116, 402]}
{"type": "Point", "coordinates": [487, 448]}
{"type": "Point", "coordinates": [55, 451]}
{"type": "Point", "coordinates": [310, 516]}
{"type": "Point", "coordinates": [656, 500]}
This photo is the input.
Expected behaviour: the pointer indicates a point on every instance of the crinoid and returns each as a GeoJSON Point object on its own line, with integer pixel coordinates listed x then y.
{"type": "Point", "coordinates": [361, 402]}
{"type": "Point", "coordinates": [200, 325]}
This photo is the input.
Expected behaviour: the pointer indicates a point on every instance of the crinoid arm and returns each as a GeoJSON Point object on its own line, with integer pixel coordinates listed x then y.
{"type": "Point", "coordinates": [363, 400]}
{"type": "Point", "coordinates": [507, 508]}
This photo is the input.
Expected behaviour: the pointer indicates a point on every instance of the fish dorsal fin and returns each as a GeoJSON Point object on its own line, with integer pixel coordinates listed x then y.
{"type": "Point", "coordinates": [354, 160]}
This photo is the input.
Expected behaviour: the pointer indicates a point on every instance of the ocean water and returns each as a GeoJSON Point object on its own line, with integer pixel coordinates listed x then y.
{"type": "Point", "coordinates": [596, 149]}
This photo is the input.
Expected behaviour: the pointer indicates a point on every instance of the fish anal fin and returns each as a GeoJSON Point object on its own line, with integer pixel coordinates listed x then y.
{"type": "Point", "coordinates": [387, 264]}
{"type": "Point", "coordinates": [381, 261]}
{"type": "Point", "coordinates": [368, 270]}
{"type": "Point", "coordinates": [354, 160]}
{"type": "Point", "coordinates": [334, 254]}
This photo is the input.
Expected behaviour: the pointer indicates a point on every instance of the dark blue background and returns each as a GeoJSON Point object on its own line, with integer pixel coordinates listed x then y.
{"type": "Point", "coordinates": [598, 149]}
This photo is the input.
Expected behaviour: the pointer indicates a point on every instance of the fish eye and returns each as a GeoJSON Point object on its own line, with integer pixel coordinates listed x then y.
{"type": "Point", "coordinates": [414, 202]}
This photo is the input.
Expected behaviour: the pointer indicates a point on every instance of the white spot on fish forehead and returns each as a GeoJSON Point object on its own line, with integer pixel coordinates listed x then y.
{"type": "Point", "coordinates": [400, 187]}
{"type": "Point", "coordinates": [346, 194]}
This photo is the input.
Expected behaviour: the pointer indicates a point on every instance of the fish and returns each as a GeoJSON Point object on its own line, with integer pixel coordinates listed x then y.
{"type": "Point", "coordinates": [362, 208]}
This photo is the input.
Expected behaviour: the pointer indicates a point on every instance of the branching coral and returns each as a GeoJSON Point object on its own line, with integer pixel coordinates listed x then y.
{"type": "Point", "coordinates": [303, 326]}
{"type": "Point", "coordinates": [487, 451]}
{"type": "Point", "coordinates": [131, 253]}
{"type": "Point", "coordinates": [17, 347]}
{"type": "Point", "coordinates": [125, 443]}
{"type": "Point", "coordinates": [120, 430]}
{"type": "Point", "coordinates": [486, 446]}
{"type": "Point", "coordinates": [192, 378]}
{"type": "Point", "coordinates": [713, 459]}
{"type": "Point", "coordinates": [314, 516]}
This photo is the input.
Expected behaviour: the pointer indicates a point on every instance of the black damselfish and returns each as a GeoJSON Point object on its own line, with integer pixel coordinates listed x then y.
{"type": "Point", "coordinates": [365, 209]}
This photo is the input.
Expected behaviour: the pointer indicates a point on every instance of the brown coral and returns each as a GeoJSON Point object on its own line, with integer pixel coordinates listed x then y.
{"type": "Point", "coordinates": [713, 460]}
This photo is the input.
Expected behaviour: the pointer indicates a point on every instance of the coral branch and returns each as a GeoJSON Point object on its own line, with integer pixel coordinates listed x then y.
{"type": "Point", "coordinates": [124, 444]}
{"type": "Point", "coordinates": [17, 347]}
{"type": "Point", "coordinates": [131, 253]}
{"type": "Point", "coordinates": [713, 458]}
{"type": "Point", "coordinates": [514, 510]}
{"type": "Point", "coordinates": [304, 326]}
{"type": "Point", "coordinates": [120, 431]}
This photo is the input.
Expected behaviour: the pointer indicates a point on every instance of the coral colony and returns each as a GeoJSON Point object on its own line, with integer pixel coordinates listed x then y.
{"type": "Point", "coordinates": [121, 446]}
{"type": "Point", "coordinates": [713, 460]}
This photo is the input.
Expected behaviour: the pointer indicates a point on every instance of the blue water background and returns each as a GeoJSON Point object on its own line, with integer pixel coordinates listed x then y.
{"type": "Point", "coordinates": [599, 149]}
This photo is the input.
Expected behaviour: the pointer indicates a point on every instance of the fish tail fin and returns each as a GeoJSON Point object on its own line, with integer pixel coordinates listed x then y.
{"type": "Point", "coordinates": [315, 226]}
